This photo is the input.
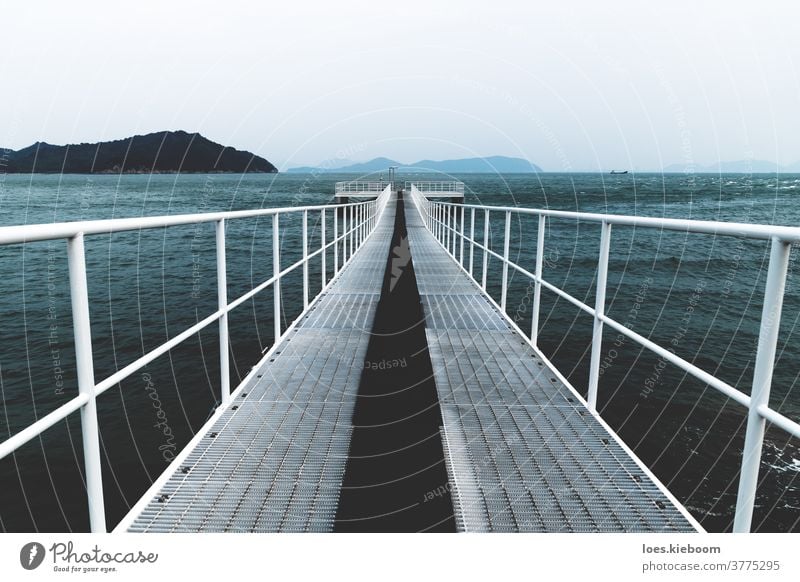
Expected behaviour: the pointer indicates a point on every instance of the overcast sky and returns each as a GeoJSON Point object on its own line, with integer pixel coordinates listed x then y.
{"type": "Point", "coordinates": [569, 85]}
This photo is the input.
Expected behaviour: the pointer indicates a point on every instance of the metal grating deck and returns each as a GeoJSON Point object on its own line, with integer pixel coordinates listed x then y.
{"type": "Point", "coordinates": [522, 453]}
{"type": "Point", "coordinates": [275, 459]}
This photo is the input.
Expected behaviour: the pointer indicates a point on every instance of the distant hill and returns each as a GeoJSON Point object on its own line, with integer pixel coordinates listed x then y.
{"type": "Point", "coordinates": [376, 165]}
{"type": "Point", "coordinates": [491, 164]}
{"type": "Point", "coordinates": [162, 152]}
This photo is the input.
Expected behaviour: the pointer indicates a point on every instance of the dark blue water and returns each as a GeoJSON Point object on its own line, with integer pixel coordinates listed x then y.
{"type": "Point", "coordinates": [700, 294]}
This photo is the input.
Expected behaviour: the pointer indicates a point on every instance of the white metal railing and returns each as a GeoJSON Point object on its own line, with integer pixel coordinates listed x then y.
{"type": "Point", "coordinates": [360, 187]}
{"type": "Point", "coordinates": [453, 225]}
{"type": "Point", "coordinates": [452, 188]}
{"type": "Point", "coordinates": [357, 222]}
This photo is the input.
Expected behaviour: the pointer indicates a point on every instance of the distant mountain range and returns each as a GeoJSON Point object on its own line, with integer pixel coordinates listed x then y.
{"type": "Point", "coordinates": [492, 164]}
{"type": "Point", "coordinates": [163, 152]}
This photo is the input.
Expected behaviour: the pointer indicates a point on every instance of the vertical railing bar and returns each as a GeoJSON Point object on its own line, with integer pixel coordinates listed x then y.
{"type": "Point", "coordinates": [222, 304]}
{"type": "Point", "coordinates": [506, 241]}
{"type": "Point", "coordinates": [471, 241]}
{"type": "Point", "coordinates": [762, 383]}
{"type": "Point", "coordinates": [449, 229]}
{"type": "Point", "coordinates": [335, 240]}
{"type": "Point", "coordinates": [439, 221]}
{"type": "Point", "coordinates": [537, 286]}
{"type": "Point", "coordinates": [461, 252]}
{"type": "Point", "coordinates": [305, 259]}
{"type": "Point", "coordinates": [276, 269]}
{"type": "Point", "coordinates": [599, 312]}
{"type": "Point", "coordinates": [344, 235]}
{"type": "Point", "coordinates": [485, 246]}
{"type": "Point", "coordinates": [454, 231]}
{"type": "Point", "coordinates": [351, 232]}
{"type": "Point", "coordinates": [82, 329]}
{"type": "Point", "coordinates": [324, 251]}
{"type": "Point", "coordinates": [442, 224]}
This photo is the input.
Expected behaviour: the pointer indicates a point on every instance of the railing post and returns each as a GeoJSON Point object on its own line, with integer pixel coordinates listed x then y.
{"type": "Point", "coordinates": [345, 210]}
{"type": "Point", "coordinates": [599, 311]}
{"type": "Point", "coordinates": [461, 252]}
{"type": "Point", "coordinates": [442, 225]}
{"type": "Point", "coordinates": [537, 285]}
{"type": "Point", "coordinates": [428, 212]}
{"type": "Point", "coordinates": [276, 269]}
{"type": "Point", "coordinates": [79, 295]}
{"type": "Point", "coordinates": [323, 251]}
{"type": "Point", "coordinates": [762, 383]}
{"type": "Point", "coordinates": [471, 240]}
{"type": "Point", "coordinates": [448, 233]}
{"type": "Point", "coordinates": [305, 259]}
{"type": "Point", "coordinates": [351, 232]}
{"type": "Point", "coordinates": [454, 230]}
{"type": "Point", "coordinates": [485, 246]}
{"type": "Point", "coordinates": [440, 221]}
{"type": "Point", "coordinates": [335, 241]}
{"type": "Point", "coordinates": [446, 227]}
{"type": "Point", "coordinates": [507, 240]}
{"type": "Point", "coordinates": [222, 305]}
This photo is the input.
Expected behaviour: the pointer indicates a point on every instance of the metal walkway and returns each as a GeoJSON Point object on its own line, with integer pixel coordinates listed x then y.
{"type": "Point", "coordinates": [523, 453]}
{"type": "Point", "coordinates": [274, 461]}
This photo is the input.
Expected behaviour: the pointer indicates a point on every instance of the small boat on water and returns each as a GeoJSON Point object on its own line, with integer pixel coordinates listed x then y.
{"type": "Point", "coordinates": [622, 172]}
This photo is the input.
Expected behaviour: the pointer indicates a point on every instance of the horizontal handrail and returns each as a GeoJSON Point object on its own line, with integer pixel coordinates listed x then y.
{"type": "Point", "coordinates": [58, 230]}
{"type": "Point", "coordinates": [360, 186]}
{"type": "Point", "coordinates": [448, 224]}
{"type": "Point", "coordinates": [358, 221]}
{"type": "Point", "coordinates": [425, 186]}
{"type": "Point", "coordinates": [741, 229]}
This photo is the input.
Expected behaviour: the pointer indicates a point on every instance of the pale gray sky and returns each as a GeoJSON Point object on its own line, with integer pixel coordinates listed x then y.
{"type": "Point", "coordinates": [566, 84]}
